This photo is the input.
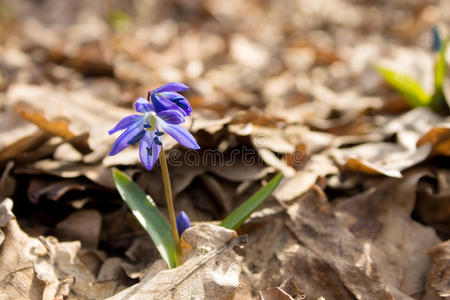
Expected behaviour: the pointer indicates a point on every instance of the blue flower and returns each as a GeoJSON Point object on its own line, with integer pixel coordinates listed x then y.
{"type": "Point", "coordinates": [166, 97]}
{"type": "Point", "coordinates": [165, 115]}
{"type": "Point", "coordinates": [183, 222]}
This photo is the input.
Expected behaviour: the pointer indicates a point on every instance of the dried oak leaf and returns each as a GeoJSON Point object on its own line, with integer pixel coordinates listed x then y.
{"type": "Point", "coordinates": [438, 281]}
{"type": "Point", "coordinates": [83, 225]}
{"type": "Point", "coordinates": [433, 201]}
{"type": "Point", "coordinates": [314, 223]}
{"type": "Point", "coordinates": [439, 138]}
{"type": "Point", "coordinates": [288, 290]}
{"type": "Point", "coordinates": [380, 221]}
{"type": "Point", "coordinates": [32, 268]}
{"type": "Point", "coordinates": [273, 254]}
{"type": "Point", "coordinates": [211, 271]}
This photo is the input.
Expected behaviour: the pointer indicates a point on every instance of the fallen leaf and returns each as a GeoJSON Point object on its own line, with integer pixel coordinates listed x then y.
{"type": "Point", "coordinates": [314, 223]}
{"type": "Point", "coordinates": [83, 225]}
{"type": "Point", "coordinates": [288, 290]}
{"type": "Point", "coordinates": [388, 159]}
{"type": "Point", "coordinates": [32, 268]}
{"type": "Point", "coordinates": [439, 138]}
{"type": "Point", "coordinates": [380, 219]}
{"type": "Point", "coordinates": [438, 282]}
{"type": "Point", "coordinates": [212, 272]}
{"type": "Point", "coordinates": [433, 201]}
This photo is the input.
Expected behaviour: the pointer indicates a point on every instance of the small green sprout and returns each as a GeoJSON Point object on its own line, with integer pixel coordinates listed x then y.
{"type": "Point", "coordinates": [411, 89]}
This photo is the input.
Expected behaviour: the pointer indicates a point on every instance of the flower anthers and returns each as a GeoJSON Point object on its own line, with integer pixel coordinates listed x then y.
{"type": "Point", "coordinates": [164, 114]}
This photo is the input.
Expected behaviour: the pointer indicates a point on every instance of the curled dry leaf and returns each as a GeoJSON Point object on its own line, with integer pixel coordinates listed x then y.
{"type": "Point", "coordinates": [380, 158]}
{"type": "Point", "coordinates": [288, 290]}
{"type": "Point", "coordinates": [433, 201]}
{"type": "Point", "coordinates": [438, 282]}
{"type": "Point", "coordinates": [83, 225]}
{"type": "Point", "coordinates": [70, 106]}
{"type": "Point", "coordinates": [314, 223]}
{"type": "Point", "coordinates": [280, 256]}
{"type": "Point", "coordinates": [32, 268]}
{"type": "Point", "coordinates": [211, 271]}
{"type": "Point", "coordinates": [380, 219]}
{"type": "Point", "coordinates": [439, 138]}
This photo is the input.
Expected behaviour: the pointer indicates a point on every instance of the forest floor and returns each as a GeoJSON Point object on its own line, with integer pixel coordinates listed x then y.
{"type": "Point", "coordinates": [363, 210]}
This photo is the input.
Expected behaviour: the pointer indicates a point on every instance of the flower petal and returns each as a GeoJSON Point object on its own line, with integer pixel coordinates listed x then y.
{"type": "Point", "coordinates": [171, 116]}
{"type": "Point", "coordinates": [123, 140]}
{"type": "Point", "coordinates": [179, 100]}
{"type": "Point", "coordinates": [183, 222]}
{"type": "Point", "coordinates": [149, 150]}
{"type": "Point", "coordinates": [171, 87]}
{"type": "Point", "coordinates": [180, 134]}
{"type": "Point", "coordinates": [160, 103]}
{"type": "Point", "coordinates": [143, 105]}
{"type": "Point", "coordinates": [126, 122]}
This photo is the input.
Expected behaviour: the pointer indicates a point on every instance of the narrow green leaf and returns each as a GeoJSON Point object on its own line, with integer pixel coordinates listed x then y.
{"type": "Point", "coordinates": [440, 67]}
{"type": "Point", "coordinates": [240, 214]}
{"type": "Point", "coordinates": [407, 86]}
{"type": "Point", "coordinates": [438, 100]}
{"type": "Point", "coordinates": [148, 215]}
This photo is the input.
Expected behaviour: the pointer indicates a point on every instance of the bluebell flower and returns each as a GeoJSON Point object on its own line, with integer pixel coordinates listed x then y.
{"type": "Point", "coordinates": [166, 97]}
{"type": "Point", "coordinates": [183, 222]}
{"type": "Point", "coordinates": [165, 115]}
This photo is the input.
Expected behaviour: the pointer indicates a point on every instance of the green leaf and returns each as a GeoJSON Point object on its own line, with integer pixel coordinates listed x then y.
{"type": "Point", "coordinates": [439, 75]}
{"type": "Point", "coordinates": [240, 214]}
{"type": "Point", "coordinates": [440, 67]}
{"type": "Point", "coordinates": [407, 86]}
{"type": "Point", "coordinates": [119, 19]}
{"type": "Point", "coordinates": [148, 215]}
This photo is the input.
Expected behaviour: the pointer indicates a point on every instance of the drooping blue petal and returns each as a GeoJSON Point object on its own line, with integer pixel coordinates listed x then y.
{"type": "Point", "coordinates": [171, 87]}
{"type": "Point", "coordinates": [148, 150]}
{"type": "Point", "coordinates": [180, 134]}
{"type": "Point", "coordinates": [160, 103]}
{"type": "Point", "coordinates": [123, 140]}
{"type": "Point", "coordinates": [126, 122]}
{"type": "Point", "coordinates": [137, 137]}
{"type": "Point", "coordinates": [183, 222]}
{"type": "Point", "coordinates": [171, 116]}
{"type": "Point", "coordinates": [143, 105]}
{"type": "Point", "coordinates": [179, 100]}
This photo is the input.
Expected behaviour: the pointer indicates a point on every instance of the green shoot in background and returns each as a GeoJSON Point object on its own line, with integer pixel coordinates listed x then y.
{"type": "Point", "coordinates": [412, 91]}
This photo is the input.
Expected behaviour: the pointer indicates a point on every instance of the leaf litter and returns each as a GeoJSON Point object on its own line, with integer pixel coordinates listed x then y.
{"type": "Point", "coordinates": [283, 86]}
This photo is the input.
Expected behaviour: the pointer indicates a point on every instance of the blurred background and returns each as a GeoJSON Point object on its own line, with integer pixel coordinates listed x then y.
{"type": "Point", "coordinates": [285, 80]}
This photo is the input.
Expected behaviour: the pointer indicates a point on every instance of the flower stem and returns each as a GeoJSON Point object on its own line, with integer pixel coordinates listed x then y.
{"type": "Point", "coordinates": [170, 207]}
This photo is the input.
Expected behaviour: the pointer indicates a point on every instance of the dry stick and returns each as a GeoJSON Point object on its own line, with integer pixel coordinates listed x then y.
{"type": "Point", "coordinates": [170, 207]}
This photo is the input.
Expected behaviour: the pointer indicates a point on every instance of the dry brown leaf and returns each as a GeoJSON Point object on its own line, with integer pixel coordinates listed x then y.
{"type": "Point", "coordinates": [83, 225]}
{"type": "Point", "coordinates": [380, 158]}
{"type": "Point", "coordinates": [23, 144]}
{"type": "Point", "coordinates": [32, 268]}
{"type": "Point", "coordinates": [288, 290]}
{"type": "Point", "coordinates": [212, 271]}
{"type": "Point", "coordinates": [433, 201]}
{"type": "Point", "coordinates": [83, 112]}
{"type": "Point", "coordinates": [439, 138]}
{"type": "Point", "coordinates": [314, 223]}
{"type": "Point", "coordinates": [438, 281]}
{"type": "Point", "coordinates": [95, 172]}
{"type": "Point", "coordinates": [380, 219]}
{"type": "Point", "coordinates": [280, 256]}
{"type": "Point", "coordinates": [59, 128]}
{"type": "Point", "coordinates": [295, 186]}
